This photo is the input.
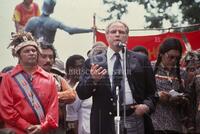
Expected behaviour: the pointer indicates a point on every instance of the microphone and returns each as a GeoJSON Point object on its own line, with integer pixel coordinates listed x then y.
{"type": "Point", "coordinates": [121, 45]}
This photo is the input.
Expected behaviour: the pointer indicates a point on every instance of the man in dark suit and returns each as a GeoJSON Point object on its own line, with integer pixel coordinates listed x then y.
{"type": "Point", "coordinates": [137, 86]}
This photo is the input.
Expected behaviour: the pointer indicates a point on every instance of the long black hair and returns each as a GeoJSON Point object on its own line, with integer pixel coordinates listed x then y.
{"type": "Point", "coordinates": [167, 45]}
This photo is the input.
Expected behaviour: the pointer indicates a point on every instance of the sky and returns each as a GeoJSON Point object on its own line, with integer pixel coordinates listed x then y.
{"type": "Point", "coordinates": [75, 13]}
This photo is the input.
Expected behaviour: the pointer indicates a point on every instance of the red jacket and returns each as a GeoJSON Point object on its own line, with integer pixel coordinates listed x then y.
{"type": "Point", "coordinates": [1, 120]}
{"type": "Point", "coordinates": [15, 109]}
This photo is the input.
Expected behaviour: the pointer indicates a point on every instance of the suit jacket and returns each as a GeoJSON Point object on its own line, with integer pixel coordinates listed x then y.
{"type": "Point", "coordinates": [142, 84]}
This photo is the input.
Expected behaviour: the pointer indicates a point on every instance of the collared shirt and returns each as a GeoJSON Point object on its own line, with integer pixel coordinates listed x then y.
{"type": "Point", "coordinates": [111, 60]}
{"type": "Point", "coordinates": [72, 109]}
{"type": "Point", "coordinates": [15, 109]}
{"type": "Point", "coordinates": [80, 110]}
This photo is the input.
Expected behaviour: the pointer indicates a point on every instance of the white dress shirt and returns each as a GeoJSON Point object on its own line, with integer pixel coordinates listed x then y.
{"type": "Point", "coordinates": [111, 60]}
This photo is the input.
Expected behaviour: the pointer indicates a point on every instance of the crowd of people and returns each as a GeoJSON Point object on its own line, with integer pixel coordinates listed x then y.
{"type": "Point", "coordinates": [112, 91]}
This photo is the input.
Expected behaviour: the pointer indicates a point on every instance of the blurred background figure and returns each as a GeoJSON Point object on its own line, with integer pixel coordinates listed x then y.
{"type": "Point", "coordinates": [192, 66]}
{"type": "Point", "coordinates": [23, 12]}
{"type": "Point", "coordinates": [98, 48]}
{"type": "Point", "coordinates": [96, 54]}
{"type": "Point", "coordinates": [48, 61]}
{"type": "Point", "coordinates": [73, 69]}
{"type": "Point", "coordinates": [141, 49]}
{"type": "Point", "coordinates": [58, 68]}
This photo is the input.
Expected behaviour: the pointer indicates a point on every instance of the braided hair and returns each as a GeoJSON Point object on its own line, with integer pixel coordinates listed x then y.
{"type": "Point", "coordinates": [167, 45]}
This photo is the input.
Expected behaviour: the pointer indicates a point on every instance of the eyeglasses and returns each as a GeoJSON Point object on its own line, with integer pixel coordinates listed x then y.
{"type": "Point", "coordinates": [119, 31]}
{"type": "Point", "coordinates": [172, 57]}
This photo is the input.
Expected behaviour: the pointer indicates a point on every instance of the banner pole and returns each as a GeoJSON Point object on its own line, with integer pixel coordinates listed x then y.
{"type": "Point", "coordinates": [94, 28]}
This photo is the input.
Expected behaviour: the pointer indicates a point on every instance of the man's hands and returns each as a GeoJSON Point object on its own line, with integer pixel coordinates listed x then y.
{"type": "Point", "coordinates": [140, 109]}
{"type": "Point", "coordinates": [34, 129]}
{"type": "Point", "coordinates": [97, 72]}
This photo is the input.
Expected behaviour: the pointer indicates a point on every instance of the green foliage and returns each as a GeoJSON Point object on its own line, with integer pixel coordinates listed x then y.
{"type": "Point", "coordinates": [158, 11]}
{"type": "Point", "coordinates": [116, 10]}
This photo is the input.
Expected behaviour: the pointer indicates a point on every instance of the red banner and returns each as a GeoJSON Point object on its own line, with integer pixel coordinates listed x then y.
{"type": "Point", "coordinates": [152, 42]}
{"type": "Point", "coordinates": [193, 38]}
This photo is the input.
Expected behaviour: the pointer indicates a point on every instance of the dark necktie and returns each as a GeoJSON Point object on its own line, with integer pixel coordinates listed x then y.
{"type": "Point", "coordinates": [117, 77]}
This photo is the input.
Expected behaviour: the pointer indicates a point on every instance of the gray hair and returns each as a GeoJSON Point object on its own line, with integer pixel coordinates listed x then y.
{"type": "Point", "coordinates": [118, 21]}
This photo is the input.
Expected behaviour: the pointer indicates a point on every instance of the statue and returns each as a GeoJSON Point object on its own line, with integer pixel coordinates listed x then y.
{"type": "Point", "coordinates": [44, 28]}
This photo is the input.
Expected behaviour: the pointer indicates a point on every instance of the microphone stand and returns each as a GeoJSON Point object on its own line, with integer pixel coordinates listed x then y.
{"type": "Point", "coordinates": [124, 85]}
{"type": "Point", "coordinates": [117, 118]}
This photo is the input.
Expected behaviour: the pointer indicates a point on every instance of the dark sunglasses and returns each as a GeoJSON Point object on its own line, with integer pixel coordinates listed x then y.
{"type": "Point", "coordinates": [171, 57]}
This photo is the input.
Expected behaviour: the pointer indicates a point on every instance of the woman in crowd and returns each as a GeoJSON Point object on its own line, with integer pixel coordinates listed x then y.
{"type": "Point", "coordinates": [170, 78]}
{"type": "Point", "coordinates": [192, 64]}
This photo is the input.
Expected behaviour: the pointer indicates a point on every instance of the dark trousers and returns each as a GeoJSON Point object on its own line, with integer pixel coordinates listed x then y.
{"type": "Point", "coordinates": [166, 132]}
{"type": "Point", "coordinates": [133, 125]}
